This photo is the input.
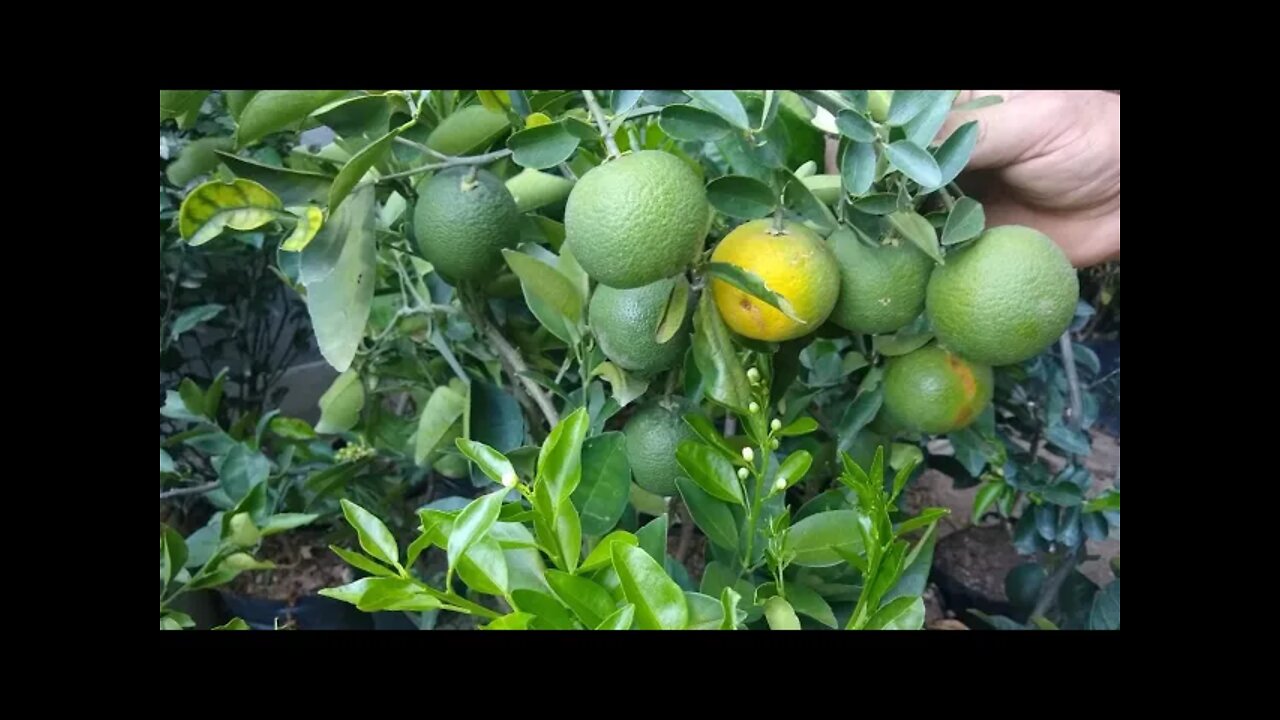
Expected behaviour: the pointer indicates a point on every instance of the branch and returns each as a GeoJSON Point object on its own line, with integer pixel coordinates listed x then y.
{"type": "Point", "coordinates": [1054, 583]}
{"type": "Point", "coordinates": [194, 490]}
{"type": "Point", "coordinates": [452, 162]}
{"type": "Point", "coordinates": [605, 130]}
{"type": "Point", "coordinates": [513, 363]}
{"type": "Point", "coordinates": [1073, 379]}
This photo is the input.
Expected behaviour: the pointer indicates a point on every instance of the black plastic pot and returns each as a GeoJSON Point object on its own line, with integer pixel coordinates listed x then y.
{"type": "Point", "coordinates": [313, 612]}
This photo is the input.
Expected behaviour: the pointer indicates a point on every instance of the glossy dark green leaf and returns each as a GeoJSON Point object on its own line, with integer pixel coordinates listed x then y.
{"type": "Point", "coordinates": [1072, 441]}
{"type": "Point", "coordinates": [652, 538]}
{"type": "Point", "coordinates": [542, 147]}
{"type": "Point", "coordinates": [811, 604]}
{"type": "Point", "coordinates": [361, 562]}
{"type": "Point", "coordinates": [549, 612]}
{"type": "Point", "coordinates": [241, 470]}
{"type": "Point", "coordinates": [953, 155]}
{"type": "Point", "coordinates": [494, 464]}
{"type": "Point", "coordinates": [739, 196]}
{"type": "Point", "coordinates": [724, 379]}
{"type": "Point", "coordinates": [794, 468]}
{"type": "Point", "coordinates": [800, 426]}
{"type": "Point", "coordinates": [751, 284]}
{"type": "Point", "coordinates": [1075, 600]}
{"type": "Point", "coordinates": [858, 167]}
{"type": "Point", "coordinates": [560, 460]}
{"type": "Point", "coordinates": [915, 228]}
{"type": "Point", "coordinates": [712, 516]}
{"type": "Point", "coordinates": [965, 222]}
{"type": "Point", "coordinates": [723, 103]}
{"type": "Point", "coordinates": [902, 342]}
{"type": "Point", "coordinates": [1105, 612]}
{"type": "Point", "coordinates": [659, 601]}
{"type": "Point", "coordinates": [710, 435]}
{"type": "Point", "coordinates": [619, 620]}
{"type": "Point", "coordinates": [621, 101]}
{"type": "Point", "coordinates": [814, 538]}
{"type": "Point", "coordinates": [1064, 493]}
{"type": "Point", "coordinates": [904, 613]}
{"type": "Point", "coordinates": [1095, 526]}
{"type": "Point", "coordinates": [1069, 531]}
{"type": "Point", "coordinates": [375, 538]}
{"type": "Point", "coordinates": [602, 554]}
{"type": "Point", "coordinates": [293, 187]}
{"type": "Point", "coordinates": [601, 496]}
{"type": "Point", "coordinates": [273, 110]}
{"type": "Point", "coordinates": [856, 127]}
{"type": "Point", "coordinates": [587, 599]}
{"type": "Point", "coordinates": [856, 416]}
{"type": "Point", "coordinates": [496, 419]}
{"type": "Point", "coordinates": [907, 104]}
{"type": "Point", "coordinates": [780, 615]}
{"type": "Point", "coordinates": [691, 124]}
{"type": "Point", "coordinates": [710, 471]}
{"type": "Point", "coordinates": [924, 127]}
{"type": "Point", "coordinates": [367, 115]}
{"type": "Point", "coordinates": [915, 162]}
{"type": "Point", "coordinates": [1046, 518]}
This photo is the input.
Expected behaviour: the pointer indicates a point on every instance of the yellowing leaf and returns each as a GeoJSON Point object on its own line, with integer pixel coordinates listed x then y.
{"type": "Point", "coordinates": [212, 207]}
{"type": "Point", "coordinates": [310, 218]}
{"type": "Point", "coordinates": [536, 119]}
{"type": "Point", "coordinates": [497, 100]}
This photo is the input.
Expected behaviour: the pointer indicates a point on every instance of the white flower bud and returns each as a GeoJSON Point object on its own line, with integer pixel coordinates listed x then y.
{"type": "Point", "coordinates": [753, 375]}
{"type": "Point", "coordinates": [773, 443]}
{"type": "Point", "coordinates": [775, 425]}
{"type": "Point", "coordinates": [748, 454]}
{"type": "Point", "coordinates": [509, 480]}
{"type": "Point", "coordinates": [742, 473]}
{"type": "Point", "coordinates": [754, 407]}
{"type": "Point", "coordinates": [780, 484]}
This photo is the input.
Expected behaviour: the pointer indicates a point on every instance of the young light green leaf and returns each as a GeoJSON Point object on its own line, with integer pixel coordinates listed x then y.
{"type": "Point", "coordinates": [729, 599]}
{"type": "Point", "coordinates": [927, 517]}
{"type": "Point", "coordinates": [987, 495]}
{"type": "Point", "coordinates": [659, 602]}
{"type": "Point", "coordinates": [619, 620]}
{"type": "Point", "coordinates": [705, 612]}
{"type": "Point", "coordinates": [560, 459]}
{"type": "Point", "coordinates": [624, 387]}
{"type": "Point", "coordinates": [712, 516]}
{"type": "Point", "coordinates": [793, 469]}
{"type": "Point", "coordinates": [965, 222]}
{"type": "Point", "coordinates": [601, 496]}
{"type": "Point", "coordinates": [282, 522]}
{"type": "Point", "coordinates": [214, 206]}
{"type": "Point", "coordinates": [355, 169]}
{"type": "Point", "coordinates": [361, 562]}
{"type": "Point", "coordinates": [723, 377]}
{"type": "Point", "coordinates": [473, 522]}
{"type": "Point", "coordinates": [374, 536]}
{"type": "Point", "coordinates": [341, 404]}
{"type": "Point", "coordinates": [587, 599]}
{"type": "Point", "coordinates": [442, 410]}
{"type": "Point", "coordinates": [858, 167]}
{"type": "Point", "coordinates": [687, 123]}
{"type": "Point", "coordinates": [551, 296]}
{"type": "Point", "coordinates": [826, 188]}
{"type": "Point", "coordinates": [954, 153]}
{"type": "Point", "coordinates": [808, 602]}
{"type": "Point", "coordinates": [780, 615]}
{"type": "Point", "coordinates": [739, 196]}
{"type": "Point", "coordinates": [922, 128]}
{"type": "Point", "coordinates": [907, 104]}
{"type": "Point", "coordinates": [915, 228]}
{"type": "Point", "coordinates": [484, 568]}
{"type": "Point", "coordinates": [339, 301]}
{"type": "Point", "coordinates": [705, 430]}
{"type": "Point", "coordinates": [272, 110]}
{"type": "Point", "coordinates": [491, 462]}
{"type": "Point", "coordinates": [173, 554]}
{"type": "Point", "coordinates": [180, 103]}
{"type": "Point", "coordinates": [723, 103]}
{"type": "Point", "coordinates": [711, 471]}
{"type": "Point", "coordinates": [904, 613]}
{"type": "Point", "coordinates": [751, 284]}
{"type": "Point", "coordinates": [855, 127]}
{"type": "Point", "coordinates": [814, 539]}
{"type": "Point", "coordinates": [511, 621]}
{"type": "Point", "coordinates": [233, 624]}
{"type": "Point", "coordinates": [915, 162]}
{"type": "Point", "coordinates": [602, 554]}
{"type": "Point", "coordinates": [568, 534]}
{"type": "Point", "coordinates": [543, 146]}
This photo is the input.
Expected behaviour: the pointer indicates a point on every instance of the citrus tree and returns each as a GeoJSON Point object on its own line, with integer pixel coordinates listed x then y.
{"type": "Point", "coordinates": [605, 306]}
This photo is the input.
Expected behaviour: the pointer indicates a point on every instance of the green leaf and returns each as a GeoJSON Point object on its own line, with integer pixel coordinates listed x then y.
{"type": "Point", "coordinates": [723, 103]}
{"type": "Point", "coordinates": [904, 613]}
{"type": "Point", "coordinates": [214, 206]}
{"type": "Point", "coordinates": [375, 538]}
{"type": "Point", "coordinates": [676, 311]}
{"type": "Point", "coordinates": [341, 404]}
{"type": "Point", "coordinates": [919, 231]}
{"type": "Point", "coordinates": [560, 460]}
{"type": "Point", "coordinates": [907, 104]}
{"type": "Point", "coordinates": [173, 554]}
{"type": "Point", "coordinates": [703, 428]}
{"type": "Point", "coordinates": [751, 284]}
{"type": "Point", "coordinates": [927, 516]}
{"type": "Point", "coordinates": [858, 167]}
{"type": "Point", "coordinates": [166, 462]}
{"type": "Point", "coordinates": [357, 560]}
{"type": "Point", "coordinates": [1073, 441]}
{"type": "Point", "coordinates": [915, 162]}
{"type": "Point", "coordinates": [191, 317]}
{"type": "Point", "coordinates": [587, 599]}
{"type": "Point", "coordinates": [705, 612]}
{"type": "Point", "coordinates": [620, 101]}
{"type": "Point", "coordinates": [198, 158]}
{"type": "Point", "coordinates": [713, 517]}
{"type": "Point", "coordinates": [1110, 500]}
{"type": "Point", "coordinates": [442, 410]}
{"type": "Point", "coordinates": [965, 222]}
{"type": "Point", "coordinates": [549, 613]}
{"type": "Point", "coordinates": [954, 153]}
{"type": "Point", "coordinates": [491, 462]}
{"type": "Point", "coordinates": [359, 164]}
{"type": "Point", "coordinates": [472, 523]}
{"type": "Point", "coordinates": [233, 624]}
{"type": "Point", "coordinates": [794, 468]}
{"type": "Point", "coordinates": [723, 377]}
{"type": "Point", "coordinates": [860, 412]}
{"type": "Point", "coordinates": [814, 539]}
{"type": "Point", "coordinates": [809, 603]}
{"type": "Point", "coordinates": [601, 496]}
{"type": "Point", "coordinates": [543, 146]}
{"type": "Point", "coordinates": [619, 620]}
{"type": "Point", "coordinates": [660, 603]}
{"type": "Point", "coordinates": [293, 187]}
{"type": "Point", "coordinates": [624, 387]}
{"type": "Point", "coordinates": [363, 115]}
{"type": "Point", "coordinates": [877, 204]}
{"type": "Point", "coordinates": [1105, 612]}
{"type": "Point", "coordinates": [177, 103]}
{"type": "Point", "coordinates": [339, 301]}
{"type": "Point", "coordinates": [780, 615]}
{"type": "Point", "coordinates": [800, 426]}
{"type": "Point", "coordinates": [309, 221]}
{"type": "Point", "coordinates": [710, 471]}
{"type": "Point", "coordinates": [602, 554]}
{"type": "Point", "coordinates": [918, 564]}
{"type": "Point", "coordinates": [855, 127]}
{"type": "Point", "coordinates": [568, 534]}
{"type": "Point", "coordinates": [551, 296]}
{"type": "Point", "coordinates": [511, 621]}
{"type": "Point", "coordinates": [687, 123]}
{"type": "Point", "coordinates": [922, 128]}
{"type": "Point", "coordinates": [281, 522]}
{"type": "Point", "coordinates": [1064, 493]}
{"type": "Point", "coordinates": [241, 470]}
{"type": "Point", "coordinates": [739, 196]}
{"type": "Point", "coordinates": [798, 199]}
{"type": "Point", "coordinates": [1023, 584]}
{"type": "Point", "coordinates": [729, 599]}
{"type": "Point", "coordinates": [987, 495]}
{"type": "Point", "coordinates": [273, 110]}
{"type": "Point", "coordinates": [652, 538]}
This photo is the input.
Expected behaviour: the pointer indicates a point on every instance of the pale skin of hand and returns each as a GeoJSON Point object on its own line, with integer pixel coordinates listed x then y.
{"type": "Point", "coordinates": [1050, 160]}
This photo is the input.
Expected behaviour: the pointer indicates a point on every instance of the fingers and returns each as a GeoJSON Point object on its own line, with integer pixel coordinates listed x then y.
{"type": "Point", "coordinates": [1007, 132]}
{"type": "Point", "coordinates": [1086, 239]}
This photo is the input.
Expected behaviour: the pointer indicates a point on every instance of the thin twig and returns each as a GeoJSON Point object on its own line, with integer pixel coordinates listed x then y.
{"type": "Point", "coordinates": [422, 148]}
{"type": "Point", "coordinates": [827, 99]}
{"type": "Point", "coordinates": [513, 363]}
{"type": "Point", "coordinates": [194, 490]}
{"type": "Point", "coordinates": [1054, 583]}
{"type": "Point", "coordinates": [610, 144]}
{"type": "Point", "coordinates": [1073, 379]}
{"type": "Point", "coordinates": [455, 162]}
{"type": "Point", "coordinates": [686, 530]}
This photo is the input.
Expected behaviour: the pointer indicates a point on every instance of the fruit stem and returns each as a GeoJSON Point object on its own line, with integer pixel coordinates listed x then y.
{"type": "Point", "coordinates": [777, 228]}
{"type": "Point", "coordinates": [610, 144]}
{"type": "Point", "coordinates": [946, 199]}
